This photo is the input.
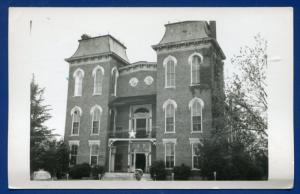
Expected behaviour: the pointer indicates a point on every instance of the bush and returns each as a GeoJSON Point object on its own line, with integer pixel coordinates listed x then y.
{"type": "Point", "coordinates": [80, 170]}
{"type": "Point", "coordinates": [158, 171]}
{"type": "Point", "coordinates": [182, 172]}
{"type": "Point", "coordinates": [96, 170]}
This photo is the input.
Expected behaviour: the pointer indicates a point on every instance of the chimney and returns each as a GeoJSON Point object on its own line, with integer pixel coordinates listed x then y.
{"type": "Point", "coordinates": [213, 31]}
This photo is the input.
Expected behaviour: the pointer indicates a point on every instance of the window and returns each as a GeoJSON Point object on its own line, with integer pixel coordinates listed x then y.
{"type": "Point", "coordinates": [195, 61]}
{"type": "Point", "coordinates": [73, 154]}
{"type": "Point", "coordinates": [170, 78]}
{"type": "Point", "coordinates": [94, 153]}
{"type": "Point", "coordinates": [169, 64]}
{"type": "Point", "coordinates": [170, 118]}
{"type": "Point", "coordinates": [115, 75]}
{"type": "Point", "coordinates": [75, 113]}
{"type": "Point", "coordinates": [96, 112]}
{"type": "Point", "coordinates": [169, 106]}
{"type": "Point", "coordinates": [98, 74]}
{"type": "Point", "coordinates": [196, 106]}
{"type": "Point", "coordinates": [195, 156]}
{"type": "Point", "coordinates": [78, 76]}
{"type": "Point", "coordinates": [170, 155]}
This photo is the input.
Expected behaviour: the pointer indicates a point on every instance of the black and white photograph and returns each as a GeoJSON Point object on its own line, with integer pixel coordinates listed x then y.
{"type": "Point", "coordinates": [150, 97]}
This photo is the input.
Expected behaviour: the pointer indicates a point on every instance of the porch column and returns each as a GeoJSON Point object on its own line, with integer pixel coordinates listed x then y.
{"type": "Point", "coordinates": [129, 157]}
{"type": "Point", "coordinates": [109, 159]}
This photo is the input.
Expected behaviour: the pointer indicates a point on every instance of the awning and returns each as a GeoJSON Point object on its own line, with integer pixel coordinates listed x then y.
{"type": "Point", "coordinates": [133, 100]}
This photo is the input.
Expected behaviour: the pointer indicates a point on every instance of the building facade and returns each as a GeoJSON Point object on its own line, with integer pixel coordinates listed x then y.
{"type": "Point", "coordinates": [124, 115]}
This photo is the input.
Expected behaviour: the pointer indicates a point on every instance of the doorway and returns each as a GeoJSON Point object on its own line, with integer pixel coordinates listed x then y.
{"type": "Point", "coordinates": [141, 124]}
{"type": "Point", "coordinates": [140, 161]}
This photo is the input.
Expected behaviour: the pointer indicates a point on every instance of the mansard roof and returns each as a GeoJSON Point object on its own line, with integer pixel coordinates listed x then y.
{"type": "Point", "coordinates": [93, 46]}
{"type": "Point", "coordinates": [187, 30]}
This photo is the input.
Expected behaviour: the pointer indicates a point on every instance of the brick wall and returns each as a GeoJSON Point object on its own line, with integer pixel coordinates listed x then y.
{"type": "Point", "coordinates": [182, 94]}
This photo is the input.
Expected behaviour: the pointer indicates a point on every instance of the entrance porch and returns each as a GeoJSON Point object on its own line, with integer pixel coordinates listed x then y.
{"type": "Point", "coordinates": [126, 155]}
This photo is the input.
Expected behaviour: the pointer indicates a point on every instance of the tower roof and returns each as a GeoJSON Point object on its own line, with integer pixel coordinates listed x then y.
{"type": "Point", "coordinates": [93, 46]}
{"type": "Point", "coordinates": [187, 30]}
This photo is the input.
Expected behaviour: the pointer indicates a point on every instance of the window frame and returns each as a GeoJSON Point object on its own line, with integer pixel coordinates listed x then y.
{"type": "Point", "coordinates": [92, 112]}
{"type": "Point", "coordinates": [115, 75]}
{"type": "Point", "coordinates": [91, 144]}
{"type": "Point", "coordinates": [73, 143]}
{"type": "Point", "coordinates": [95, 84]}
{"type": "Point", "coordinates": [76, 84]}
{"type": "Point", "coordinates": [174, 156]}
{"type": "Point", "coordinates": [76, 108]}
{"type": "Point", "coordinates": [190, 60]}
{"type": "Point", "coordinates": [191, 107]}
{"type": "Point", "coordinates": [165, 108]}
{"type": "Point", "coordinates": [166, 68]}
{"type": "Point", "coordinates": [194, 155]}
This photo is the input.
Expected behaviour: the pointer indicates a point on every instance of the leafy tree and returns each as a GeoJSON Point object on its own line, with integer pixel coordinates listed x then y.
{"type": "Point", "coordinates": [246, 109]}
{"type": "Point", "coordinates": [245, 156]}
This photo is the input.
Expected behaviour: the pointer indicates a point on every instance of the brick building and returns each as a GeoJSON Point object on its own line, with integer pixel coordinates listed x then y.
{"type": "Point", "coordinates": [126, 115]}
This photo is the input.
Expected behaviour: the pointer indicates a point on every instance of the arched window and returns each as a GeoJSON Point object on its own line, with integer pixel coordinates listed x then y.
{"type": "Point", "coordinates": [169, 64]}
{"type": "Point", "coordinates": [78, 76]}
{"type": "Point", "coordinates": [196, 106]}
{"type": "Point", "coordinates": [169, 107]}
{"type": "Point", "coordinates": [96, 112]}
{"type": "Point", "coordinates": [76, 114]}
{"type": "Point", "coordinates": [114, 81]}
{"type": "Point", "coordinates": [98, 74]}
{"type": "Point", "coordinates": [195, 61]}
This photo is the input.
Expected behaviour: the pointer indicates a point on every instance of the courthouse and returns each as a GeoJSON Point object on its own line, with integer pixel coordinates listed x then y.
{"type": "Point", "coordinates": [125, 115]}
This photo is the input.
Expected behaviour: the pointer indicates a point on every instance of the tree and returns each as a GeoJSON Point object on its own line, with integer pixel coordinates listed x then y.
{"type": "Point", "coordinates": [39, 133]}
{"type": "Point", "coordinates": [246, 97]}
{"type": "Point", "coordinates": [245, 156]}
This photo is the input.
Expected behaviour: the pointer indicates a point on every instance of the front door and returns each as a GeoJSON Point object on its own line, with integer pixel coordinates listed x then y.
{"type": "Point", "coordinates": [140, 161]}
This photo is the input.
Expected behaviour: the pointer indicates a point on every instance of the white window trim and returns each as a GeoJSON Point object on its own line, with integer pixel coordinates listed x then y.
{"type": "Point", "coordinates": [174, 142]}
{"type": "Point", "coordinates": [80, 113]}
{"type": "Point", "coordinates": [165, 62]}
{"type": "Point", "coordinates": [193, 144]}
{"type": "Point", "coordinates": [166, 103]}
{"type": "Point", "coordinates": [116, 79]}
{"type": "Point", "coordinates": [98, 67]}
{"type": "Point", "coordinates": [94, 142]}
{"type": "Point", "coordinates": [190, 60]}
{"type": "Point", "coordinates": [71, 143]}
{"type": "Point", "coordinates": [74, 76]}
{"type": "Point", "coordinates": [199, 100]}
{"type": "Point", "coordinates": [92, 115]}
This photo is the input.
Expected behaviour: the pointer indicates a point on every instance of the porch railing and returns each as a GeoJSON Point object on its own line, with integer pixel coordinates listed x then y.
{"type": "Point", "coordinates": [138, 133]}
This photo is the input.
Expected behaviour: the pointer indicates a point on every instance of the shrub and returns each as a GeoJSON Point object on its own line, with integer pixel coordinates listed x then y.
{"type": "Point", "coordinates": [158, 171]}
{"type": "Point", "coordinates": [96, 170]}
{"type": "Point", "coordinates": [182, 172]}
{"type": "Point", "coordinates": [80, 170]}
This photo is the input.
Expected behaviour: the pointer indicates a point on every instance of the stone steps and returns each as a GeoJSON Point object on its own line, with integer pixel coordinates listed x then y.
{"type": "Point", "coordinates": [118, 176]}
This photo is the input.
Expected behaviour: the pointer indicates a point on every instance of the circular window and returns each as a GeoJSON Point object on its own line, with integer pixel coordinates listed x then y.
{"type": "Point", "coordinates": [148, 80]}
{"type": "Point", "coordinates": [133, 81]}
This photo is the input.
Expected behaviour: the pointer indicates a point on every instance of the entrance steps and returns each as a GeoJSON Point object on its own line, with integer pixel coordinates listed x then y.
{"type": "Point", "coordinates": [124, 176]}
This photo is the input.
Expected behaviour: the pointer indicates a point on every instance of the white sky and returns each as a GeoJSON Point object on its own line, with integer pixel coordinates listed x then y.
{"type": "Point", "coordinates": [55, 33]}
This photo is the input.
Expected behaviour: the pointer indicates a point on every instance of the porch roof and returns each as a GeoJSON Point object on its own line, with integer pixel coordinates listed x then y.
{"type": "Point", "coordinates": [132, 100]}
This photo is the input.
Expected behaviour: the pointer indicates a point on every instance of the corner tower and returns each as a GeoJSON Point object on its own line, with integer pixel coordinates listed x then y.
{"type": "Point", "coordinates": [189, 87]}
{"type": "Point", "coordinates": [93, 75]}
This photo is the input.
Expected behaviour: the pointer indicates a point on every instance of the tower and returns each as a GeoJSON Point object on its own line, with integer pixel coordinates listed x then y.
{"type": "Point", "coordinates": [93, 75]}
{"type": "Point", "coordinates": [189, 84]}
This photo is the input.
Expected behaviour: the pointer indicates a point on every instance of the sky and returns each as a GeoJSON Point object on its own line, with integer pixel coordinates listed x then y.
{"type": "Point", "coordinates": [55, 32]}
